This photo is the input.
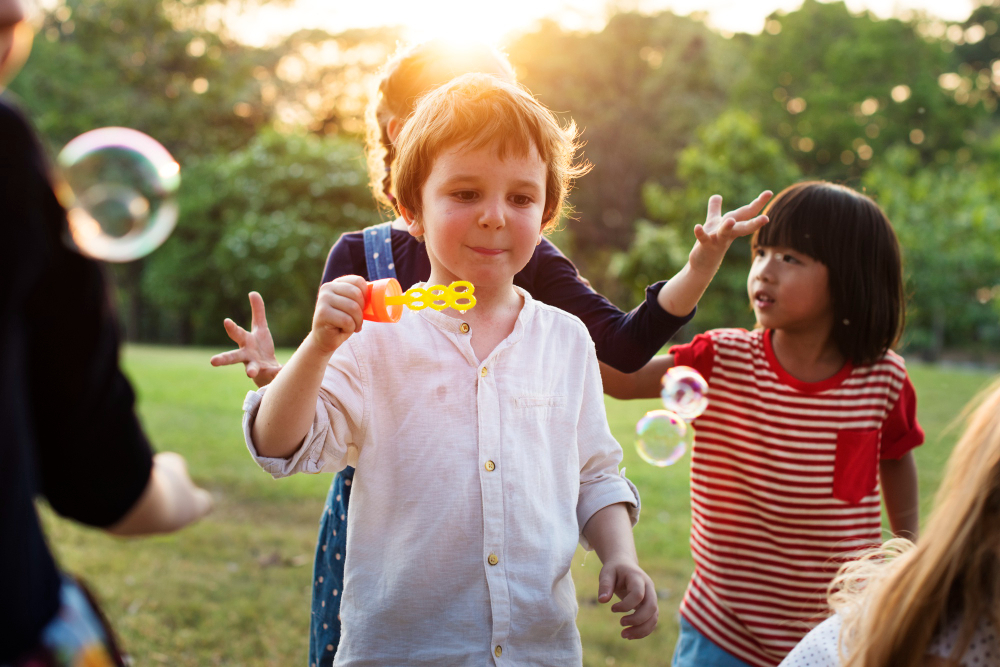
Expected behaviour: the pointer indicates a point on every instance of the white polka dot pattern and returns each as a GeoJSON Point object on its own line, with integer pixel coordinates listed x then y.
{"type": "Point", "coordinates": [819, 647]}
{"type": "Point", "coordinates": [983, 648]}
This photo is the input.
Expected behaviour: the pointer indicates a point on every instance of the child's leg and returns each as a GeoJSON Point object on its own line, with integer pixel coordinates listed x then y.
{"type": "Point", "coordinates": [696, 650]}
{"type": "Point", "coordinates": [328, 573]}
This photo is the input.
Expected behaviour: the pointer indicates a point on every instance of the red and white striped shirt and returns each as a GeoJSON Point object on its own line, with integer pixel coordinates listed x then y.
{"type": "Point", "coordinates": [784, 486]}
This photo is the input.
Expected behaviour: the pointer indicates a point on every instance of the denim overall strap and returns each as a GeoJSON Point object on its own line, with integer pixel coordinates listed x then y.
{"type": "Point", "coordinates": [328, 566]}
{"type": "Point", "coordinates": [378, 251]}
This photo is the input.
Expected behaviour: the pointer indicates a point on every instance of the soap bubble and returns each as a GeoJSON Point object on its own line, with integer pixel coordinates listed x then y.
{"type": "Point", "coordinates": [118, 190]}
{"type": "Point", "coordinates": [685, 392]}
{"type": "Point", "coordinates": [662, 437]}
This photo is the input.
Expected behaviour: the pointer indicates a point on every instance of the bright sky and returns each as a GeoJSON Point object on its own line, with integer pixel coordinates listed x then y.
{"type": "Point", "coordinates": [491, 21]}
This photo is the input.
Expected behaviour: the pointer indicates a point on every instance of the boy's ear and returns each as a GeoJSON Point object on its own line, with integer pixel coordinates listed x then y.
{"type": "Point", "coordinates": [413, 224]}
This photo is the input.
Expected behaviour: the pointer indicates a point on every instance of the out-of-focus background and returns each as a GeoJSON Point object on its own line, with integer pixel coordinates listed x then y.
{"type": "Point", "coordinates": [262, 106]}
{"type": "Point", "coordinates": [267, 129]}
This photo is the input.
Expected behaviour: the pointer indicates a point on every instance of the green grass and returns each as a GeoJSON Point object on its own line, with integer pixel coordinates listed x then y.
{"type": "Point", "coordinates": [234, 589]}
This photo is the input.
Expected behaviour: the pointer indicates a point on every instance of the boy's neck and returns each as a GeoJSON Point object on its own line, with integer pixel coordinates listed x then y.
{"type": "Point", "coordinates": [493, 317]}
{"type": "Point", "coordinates": [809, 355]}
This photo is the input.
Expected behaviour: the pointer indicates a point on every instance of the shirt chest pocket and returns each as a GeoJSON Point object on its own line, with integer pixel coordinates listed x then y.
{"type": "Point", "coordinates": [855, 468]}
{"type": "Point", "coordinates": [539, 402]}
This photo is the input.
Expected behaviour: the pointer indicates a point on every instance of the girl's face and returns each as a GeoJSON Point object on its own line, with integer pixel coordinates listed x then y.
{"type": "Point", "coordinates": [789, 290]}
{"type": "Point", "coordinates": [482, 216]}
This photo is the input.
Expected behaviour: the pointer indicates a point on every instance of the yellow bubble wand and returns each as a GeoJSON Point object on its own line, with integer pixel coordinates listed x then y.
{"type": "Point", "coordinates": [385, 298]}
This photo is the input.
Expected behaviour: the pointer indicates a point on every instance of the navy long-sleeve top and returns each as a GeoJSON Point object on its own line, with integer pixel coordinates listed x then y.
{"type": "Point", "coordinates": [624, 341]}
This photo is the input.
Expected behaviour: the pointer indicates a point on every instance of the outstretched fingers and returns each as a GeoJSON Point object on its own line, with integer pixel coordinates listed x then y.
{"type": "Point", "coordinates": [229, 358]}
{"type": "Point", "coordinates": [258, 318]}
{"type": "Point", "coordinates": [748, 227]}
{"type": "Point", "coordinates": [714, 207]}
{"type": "Point", "coordinates": [751, 209]}
{"type": "Point", "coordinates": [239, 336]}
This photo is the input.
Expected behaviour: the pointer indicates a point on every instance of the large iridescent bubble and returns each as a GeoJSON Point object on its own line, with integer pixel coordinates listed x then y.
{"type": "Point", "coordinates": [685, 392]}
{"type": "Point", "coordinates": [118, 189]}
{"type": "Point", "coordinates": [662, 437]}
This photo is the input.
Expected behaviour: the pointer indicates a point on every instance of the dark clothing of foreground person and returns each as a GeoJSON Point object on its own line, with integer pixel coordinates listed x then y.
{"type": "Point", "coordinates": [67, 427]}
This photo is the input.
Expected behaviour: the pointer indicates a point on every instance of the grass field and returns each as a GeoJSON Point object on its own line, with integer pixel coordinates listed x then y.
{"type": "Point", "coordinates": [235, 589]}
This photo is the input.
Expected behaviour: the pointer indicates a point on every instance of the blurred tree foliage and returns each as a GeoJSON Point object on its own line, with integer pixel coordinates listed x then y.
{"type": "Point", "coordinates": [947, 218]}
{"type": "Point", "coordinates": [839, 89]}
{"type": "Point", "coordinates": [123, 62]}
{"type": "Point", "coordinates": [638, 89]}
{"type": "Point", "coordinates": [263, 217]}
{"type": "Point", "coordinates": [269, 140]}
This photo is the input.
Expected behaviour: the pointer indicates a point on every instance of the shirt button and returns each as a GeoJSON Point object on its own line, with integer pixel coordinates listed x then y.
{"type": "Point", "coordinates": [464, 328]}
{"type": "Point", "coordinates": [497, 651]}
{"type": "Point", "coordinates": [490, 466]}
{"type": "Point", "coordinates": [483, 372]}
{"type": "Point", "coordinates": [493, 559]}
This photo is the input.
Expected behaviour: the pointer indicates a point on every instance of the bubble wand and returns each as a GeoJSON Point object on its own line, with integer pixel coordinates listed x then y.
{"type": "Point", "coordinates": [385, 299]}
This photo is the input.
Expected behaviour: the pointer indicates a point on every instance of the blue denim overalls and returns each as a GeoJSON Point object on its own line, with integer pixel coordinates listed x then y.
{"type": "Point", "coordinates": [328, 566]}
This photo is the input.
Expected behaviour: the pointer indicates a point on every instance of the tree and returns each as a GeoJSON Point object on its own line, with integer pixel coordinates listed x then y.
{"type": "Point", "coordinates": [947, 218]}
{"type": "Point", "coordinates": [259, 218]}
{"type": "Point", "coordinates": [105, 62]}
{"type": "Point", "coordinates": [840, 89]}
{"type": "Point", "coordinates": [637, 89]}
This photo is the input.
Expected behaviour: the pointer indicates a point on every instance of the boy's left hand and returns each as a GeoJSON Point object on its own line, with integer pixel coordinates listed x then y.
{"type": "Point", "coordinates": [636, 593]}
{"type": "Point", "coordinates": [719, 231]}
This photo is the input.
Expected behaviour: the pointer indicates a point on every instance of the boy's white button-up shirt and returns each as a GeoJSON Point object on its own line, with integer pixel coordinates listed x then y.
{"type": "Point", "coordinates": [474, 481]}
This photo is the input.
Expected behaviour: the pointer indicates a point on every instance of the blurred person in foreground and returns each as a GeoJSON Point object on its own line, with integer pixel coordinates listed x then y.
{"type": "Point", "coordinates": [68, 431]}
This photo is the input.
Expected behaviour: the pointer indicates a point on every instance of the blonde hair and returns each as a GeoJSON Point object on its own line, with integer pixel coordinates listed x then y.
{"type": "Point", "coordinates": [896, 598]}
{"type": "Point", "coordinates": [477, 110]}
{"type": "Point", "coordinates": [404, 79]}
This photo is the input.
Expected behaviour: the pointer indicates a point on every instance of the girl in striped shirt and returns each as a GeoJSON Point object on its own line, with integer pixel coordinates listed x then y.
{"type": "Point", "coordinates": [811, 422]}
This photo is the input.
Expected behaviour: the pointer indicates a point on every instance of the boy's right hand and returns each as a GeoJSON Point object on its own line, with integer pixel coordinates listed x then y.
{"type": "Point", "coordinates": [339, 312]}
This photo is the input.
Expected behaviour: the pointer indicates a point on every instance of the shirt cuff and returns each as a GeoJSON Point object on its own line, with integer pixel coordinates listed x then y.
{"type": "Point", "coordinates": [659, 314]}
{"type": "Point", "coordinates": [621, 490]}
{"type": "Point", "coordinates": [300, 461]}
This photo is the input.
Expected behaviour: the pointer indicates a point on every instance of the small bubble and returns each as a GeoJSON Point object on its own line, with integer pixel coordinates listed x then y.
{"type": "Point", "coordinates": [685, 392]}
{"type": "Point", "coordinates": [662, 437]}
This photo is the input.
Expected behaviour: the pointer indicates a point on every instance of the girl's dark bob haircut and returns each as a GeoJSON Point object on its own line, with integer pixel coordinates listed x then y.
{"type": "Point", "coordinates": [849, 233]}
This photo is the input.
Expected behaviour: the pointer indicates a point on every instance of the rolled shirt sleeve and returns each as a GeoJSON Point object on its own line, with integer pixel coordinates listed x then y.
{"type": "Point", "coordinates": [601, 483]}
{"type": "Point", "coordinates": [338, 424]}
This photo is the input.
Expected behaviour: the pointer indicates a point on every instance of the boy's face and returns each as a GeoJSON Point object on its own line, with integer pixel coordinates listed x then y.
{"type": "Point", "coordinates": [482, 216]}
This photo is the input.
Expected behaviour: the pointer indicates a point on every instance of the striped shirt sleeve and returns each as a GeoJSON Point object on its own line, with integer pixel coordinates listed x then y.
{"type": "Point", "coordinates": [900, 430]}
{"type": "Point", "coordinates": [699, 354]}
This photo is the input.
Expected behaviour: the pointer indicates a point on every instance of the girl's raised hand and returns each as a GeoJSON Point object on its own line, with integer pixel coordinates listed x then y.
{"type": "Point", "coordinates": [719, 231]}
{"type": "Point", "coordinates": [339, 312]}
{"type": "Point", "coordinates": [256, 351]}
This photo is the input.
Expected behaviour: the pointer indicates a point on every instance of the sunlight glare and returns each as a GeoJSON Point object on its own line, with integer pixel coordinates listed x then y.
{"type": "Point", "coordinates": [494, 23]}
